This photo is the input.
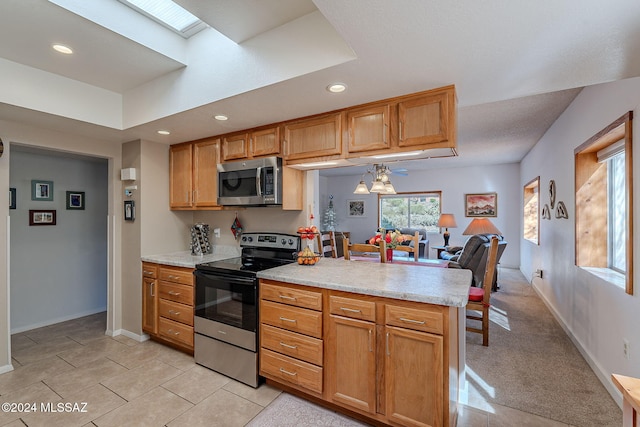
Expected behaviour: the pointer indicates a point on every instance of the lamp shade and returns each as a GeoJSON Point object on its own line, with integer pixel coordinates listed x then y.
{"type": "Point", "coordinates": [481, 226]}
{"type": "Point", "coordinates": [447, 220]}
{"type": "Point", "coordinates": [361, 188]}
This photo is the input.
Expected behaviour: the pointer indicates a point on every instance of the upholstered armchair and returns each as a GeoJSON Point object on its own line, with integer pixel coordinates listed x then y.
{"type": "Point", "coordinates": [473, 256]}
{"type": "Point", "coordinates": [423, 243]}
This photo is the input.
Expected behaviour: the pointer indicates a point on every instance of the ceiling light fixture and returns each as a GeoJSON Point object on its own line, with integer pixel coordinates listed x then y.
{"type": "Point", "coordinates": [390, 156]}
{"type": "Point", "coordinates": [317, 164]}
{"type": "Point", "coordinates": [164, 132]}
{"type": "Point", "coordinates": [337, 87]}
{"type": "Point", "coordinates": [62, 49]}
{"type": "Point", "coordinates": [381, 182]}
{"type": "Point", "coordinates": [221, 117]}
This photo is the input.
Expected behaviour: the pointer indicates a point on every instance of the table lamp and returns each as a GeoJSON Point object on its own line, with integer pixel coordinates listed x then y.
{"type": "Point", "coordinates": [481, 226]}
{"type": "Point", "coordinates": [447, 221]}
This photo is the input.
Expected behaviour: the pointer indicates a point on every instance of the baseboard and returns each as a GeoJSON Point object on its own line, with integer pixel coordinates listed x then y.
{"type": "Point", "coordinates": [6, 368]}
{"type": "Point", "coordinates": [602, 375]}
{"type": "Point", "coordinates": [128, 334]}
{"type": "Point", "coordinates": [57, 320]}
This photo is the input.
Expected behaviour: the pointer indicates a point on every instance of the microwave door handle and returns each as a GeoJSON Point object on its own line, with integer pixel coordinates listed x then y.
{"type": "Point", "coordinates": [259, 180]}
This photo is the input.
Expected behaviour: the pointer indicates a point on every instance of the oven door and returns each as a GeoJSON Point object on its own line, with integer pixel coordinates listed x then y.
{"type": "Point", "coordinates": [227, 299]}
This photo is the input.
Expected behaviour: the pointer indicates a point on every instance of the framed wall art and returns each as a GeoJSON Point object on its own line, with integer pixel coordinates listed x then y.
{"type": "Point", "coordinates": [356, 209]}
{"type": "Point", "coordinates": [481, 205]}
{"type": "Point", "coordinates": [12, 198]}
{"type": "Point", "coordinates": [75, 200]}
{"type": "Point", "coordinates": [42, 217]}
{"type": "Point", "coordinates": [41, 190]}
{"type": "Point", "coordinates": [129, 210]}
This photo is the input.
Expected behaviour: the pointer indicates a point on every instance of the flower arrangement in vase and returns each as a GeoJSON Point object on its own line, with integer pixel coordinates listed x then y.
{"type": "Point", "coordinates": [391, 238]}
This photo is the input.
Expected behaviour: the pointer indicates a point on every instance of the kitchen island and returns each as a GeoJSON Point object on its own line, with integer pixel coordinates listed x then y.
{"type": "Point", "coordinates": [379, 341]}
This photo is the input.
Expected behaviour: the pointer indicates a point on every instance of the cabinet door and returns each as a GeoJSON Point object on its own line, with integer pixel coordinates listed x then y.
{"type": "Point", "coordinates": [205, 173]}
{"type": "Point", "coordinates": [150, 305]}
{"type": "Point", "coordinates": [180, 178]}
{"type": "Point", "coordinates": [352, 363]}
{"type": "Point", "coordinates": [368, 129]}
{"type": "Point", "coordinates": [427, 120]}
{"type": "Point", "coordinates": [265, 142]}
{"type": "Point", "coordinates": [313, 137]}
{"type": "Point", "coordinates": [235, 147]}
{"type": "Point", "coordinates": [414, 377]}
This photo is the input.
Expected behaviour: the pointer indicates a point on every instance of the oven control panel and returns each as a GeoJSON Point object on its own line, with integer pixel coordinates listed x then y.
{"type": "Point", "coordinates": [270, 240]}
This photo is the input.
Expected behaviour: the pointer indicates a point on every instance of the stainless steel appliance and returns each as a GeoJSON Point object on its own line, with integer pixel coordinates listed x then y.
{"type": "Point", "coordinates": [255, 182]}
{"type": "Point", "coordinates": [226, 311]}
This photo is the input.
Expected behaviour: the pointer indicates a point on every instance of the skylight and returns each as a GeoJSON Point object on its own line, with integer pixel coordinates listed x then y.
{"type": "Point", "coordinates": [169, 14]}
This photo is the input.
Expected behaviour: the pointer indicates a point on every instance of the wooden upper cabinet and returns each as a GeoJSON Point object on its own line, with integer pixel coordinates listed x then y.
{"type": "Point", "coordinates": [265, 142]}
{"type": "Point", "coordinates": [368, 128]}
{"type": "Point", "coordinates": [428, 119]}
{"type": "Point", "coordinates": [205, 173]}
{"type": "Point", "coordinates": [235, 147]}
{"type": "Point", "coordinates": [180, 176]}
{"type": "Point", "coordinates": [315, 137]}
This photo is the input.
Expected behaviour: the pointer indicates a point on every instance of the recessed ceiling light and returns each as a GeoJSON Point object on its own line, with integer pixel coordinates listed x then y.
{"type": "Point", "coordinates": [164, 132]}
{"type": "Point", "coordinates": [62, 49]}
{"type": "Point", "coordinates": [337, 87]}
{"type": "Point", "coordinates": [221, 117]}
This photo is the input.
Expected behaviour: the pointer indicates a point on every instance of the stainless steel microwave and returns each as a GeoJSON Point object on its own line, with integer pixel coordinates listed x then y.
{"type": "Point", "coordinates": [256, 182]}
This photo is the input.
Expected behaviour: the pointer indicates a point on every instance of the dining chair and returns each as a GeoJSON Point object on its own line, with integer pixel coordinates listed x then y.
{"type": "Point", "coordinates": [326, 242]}
{"type": "Point", "coordinates": [364, 248]}
{"type": "Point", "coordinates": [479, 298]}
{"type": "Point", "coordinates": [411, 249]}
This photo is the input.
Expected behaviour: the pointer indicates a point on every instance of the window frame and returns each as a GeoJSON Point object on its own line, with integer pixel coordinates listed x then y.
{"type": "Point", "coordinates": [591, 202]}
{"type": "Point", "coordinates": [409, 194]}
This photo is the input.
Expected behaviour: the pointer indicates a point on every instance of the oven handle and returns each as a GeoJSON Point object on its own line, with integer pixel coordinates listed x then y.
{"type": "Point", "coordinates": [222, 276]}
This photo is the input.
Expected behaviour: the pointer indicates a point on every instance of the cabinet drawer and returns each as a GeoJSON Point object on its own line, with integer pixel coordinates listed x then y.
{"type": "Point", "coordinates": [176, 292]}
{"type": "Point", "coordinates": [426, 320]}
{"type": "Point", "coordinates": [294, 319]}
{"type": "Point", "coordinates": [291, 344]}
{"type": "Point", "coordinates": [291, 371]}
{"type": "Point", "coordinates": [291, 296]}
{"type": "Point", "coordinates": [177, 274]}
{"type": "Point", "coordinates": [175, 311]}
{"type": "Point", "coordinates": [176, 331]}
{"type": "Point", "coordinates": [354, 308]}
{"type": "Point", "coordinates": [149, 270]}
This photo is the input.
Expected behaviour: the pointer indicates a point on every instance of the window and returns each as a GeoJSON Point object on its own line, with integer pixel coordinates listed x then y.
{"type": "Point", "coordinates": [412, 210]}
{"type": "Point", "coordinates": [169, 14]}
{"type": "Point", "coordinates": [604, 232]}
{"type": "Point", "coordinates": [532, 211]}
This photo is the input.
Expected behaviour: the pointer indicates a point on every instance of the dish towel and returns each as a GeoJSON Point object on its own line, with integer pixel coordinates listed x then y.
{"type": "Point", "coordinates": [236, 227]}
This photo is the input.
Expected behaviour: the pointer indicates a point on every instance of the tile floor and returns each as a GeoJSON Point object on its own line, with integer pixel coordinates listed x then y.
{"type": "Point", "coordinates": [124, 382]}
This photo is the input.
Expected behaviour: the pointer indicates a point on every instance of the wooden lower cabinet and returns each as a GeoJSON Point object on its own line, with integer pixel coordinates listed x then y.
{"type": "Point", "coordinates": [167, 304]}
{"type": "Point", "coordinates": [389, 361]}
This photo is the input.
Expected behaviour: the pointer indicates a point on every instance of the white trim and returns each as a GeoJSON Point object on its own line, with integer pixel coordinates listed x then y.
{"type": "Point", "coordinates": [602, 375]}
{"type": "Point", "coordinates": [128, 334]}
{"type": "Point", "coordinates": [6, 368]}
{"type": "Point", "coordinates": [8, 294]}
{"type": "Point", "coordinates": [58, 320]}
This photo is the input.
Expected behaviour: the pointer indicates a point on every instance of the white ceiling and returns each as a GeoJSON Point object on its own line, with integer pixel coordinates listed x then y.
{"type": "Point", "coordinates": [516, 65]}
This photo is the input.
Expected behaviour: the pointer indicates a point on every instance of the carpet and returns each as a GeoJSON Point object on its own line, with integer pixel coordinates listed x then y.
{"type": "Point", "coordinates": [531, 364]}
{"type": "Point", "coordinates": [291, 411]}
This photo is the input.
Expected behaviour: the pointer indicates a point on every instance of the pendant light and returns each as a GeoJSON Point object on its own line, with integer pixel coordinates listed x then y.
{"type": "Point", "coordinates": [380, 182]}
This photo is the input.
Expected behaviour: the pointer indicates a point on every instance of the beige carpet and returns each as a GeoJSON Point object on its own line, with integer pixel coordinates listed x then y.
{"type": "Point", "coordinates": [291, 411]}
{"type": "Point", "coordinates": [532, 365]}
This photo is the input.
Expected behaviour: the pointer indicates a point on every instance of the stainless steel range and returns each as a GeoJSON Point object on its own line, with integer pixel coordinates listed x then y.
{"type": "Point", "coordinates": [226, 311]}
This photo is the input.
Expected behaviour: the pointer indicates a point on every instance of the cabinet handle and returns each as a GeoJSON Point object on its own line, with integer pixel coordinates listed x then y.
{"type": "Point", "coordinates": [293, 347]}
{"type": "Point", "coordinates": [417, 322]}
{"type": "Point", "coordinates": [174, 313]}
{"type": "Point", "coordinates": [370, 348]}
{"type": "Point", "coordinates": [193, 195]}
{"type": "Point", "coordinates": [288, 297]}
{"type": "Point", "coordinates": [284, 319]}
{"type": "Point", "coordinates": [285, 147]}
{"type": "Point", "coordinates": [173, 277]}
{"type": "Point", "coordinates": [187, 194]}
{"type": "Point", "coordinates": [147, 272]}
{"type": "Point", "coordinates": [174, 293]}
{"type": "Point", "coordinates": [222, 332]}
{"type": "Point", "coordinates": [384, 133]}
{"type": "Point", "coordinates": [388, 351]}
{"type": "Point", "coordinates": [400, 130]}
{"type": "Point", "coordinates": [350, 310]}
{"type": "Point", "coordinates": [284, 371]}
{"type": "Point", "coordinates": [151, 288]}
{"type": "Point", "coordinates": [171, 331]}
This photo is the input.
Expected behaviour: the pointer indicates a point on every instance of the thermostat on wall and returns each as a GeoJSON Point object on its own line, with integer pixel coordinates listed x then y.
{"type": "Point", "coordinates": [128, 174]}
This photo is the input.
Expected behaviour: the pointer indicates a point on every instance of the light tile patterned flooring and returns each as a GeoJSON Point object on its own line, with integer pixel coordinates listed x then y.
{"type": "Point", "coordinates": [126, 383]}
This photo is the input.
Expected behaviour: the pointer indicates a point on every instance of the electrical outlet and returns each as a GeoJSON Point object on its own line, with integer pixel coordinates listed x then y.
{"type": "Point", "coordinates": [625, 348]}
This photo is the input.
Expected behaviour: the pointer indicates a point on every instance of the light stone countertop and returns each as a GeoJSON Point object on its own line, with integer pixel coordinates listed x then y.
{"type": "Point", "coordinates": [441, 286]}
{"type": "Point", "coordinates": [185, 259]}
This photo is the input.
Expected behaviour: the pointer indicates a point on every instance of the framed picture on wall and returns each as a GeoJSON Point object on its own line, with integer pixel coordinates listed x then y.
{"type": "Point", "coordinates": [356, 208]}
{"type": "Point", "coordinates": [75, 200]}
{"type": "Point", "coordinates": [129, 210]}
{"type": "Point", "coordinates": [481, 204]}
{"type": "Point", "coordinates": [12, 198]}
{"type": "Point", "coordinates": [41, 190]}
{"type": "Point", "coordinates": [42, 217]}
